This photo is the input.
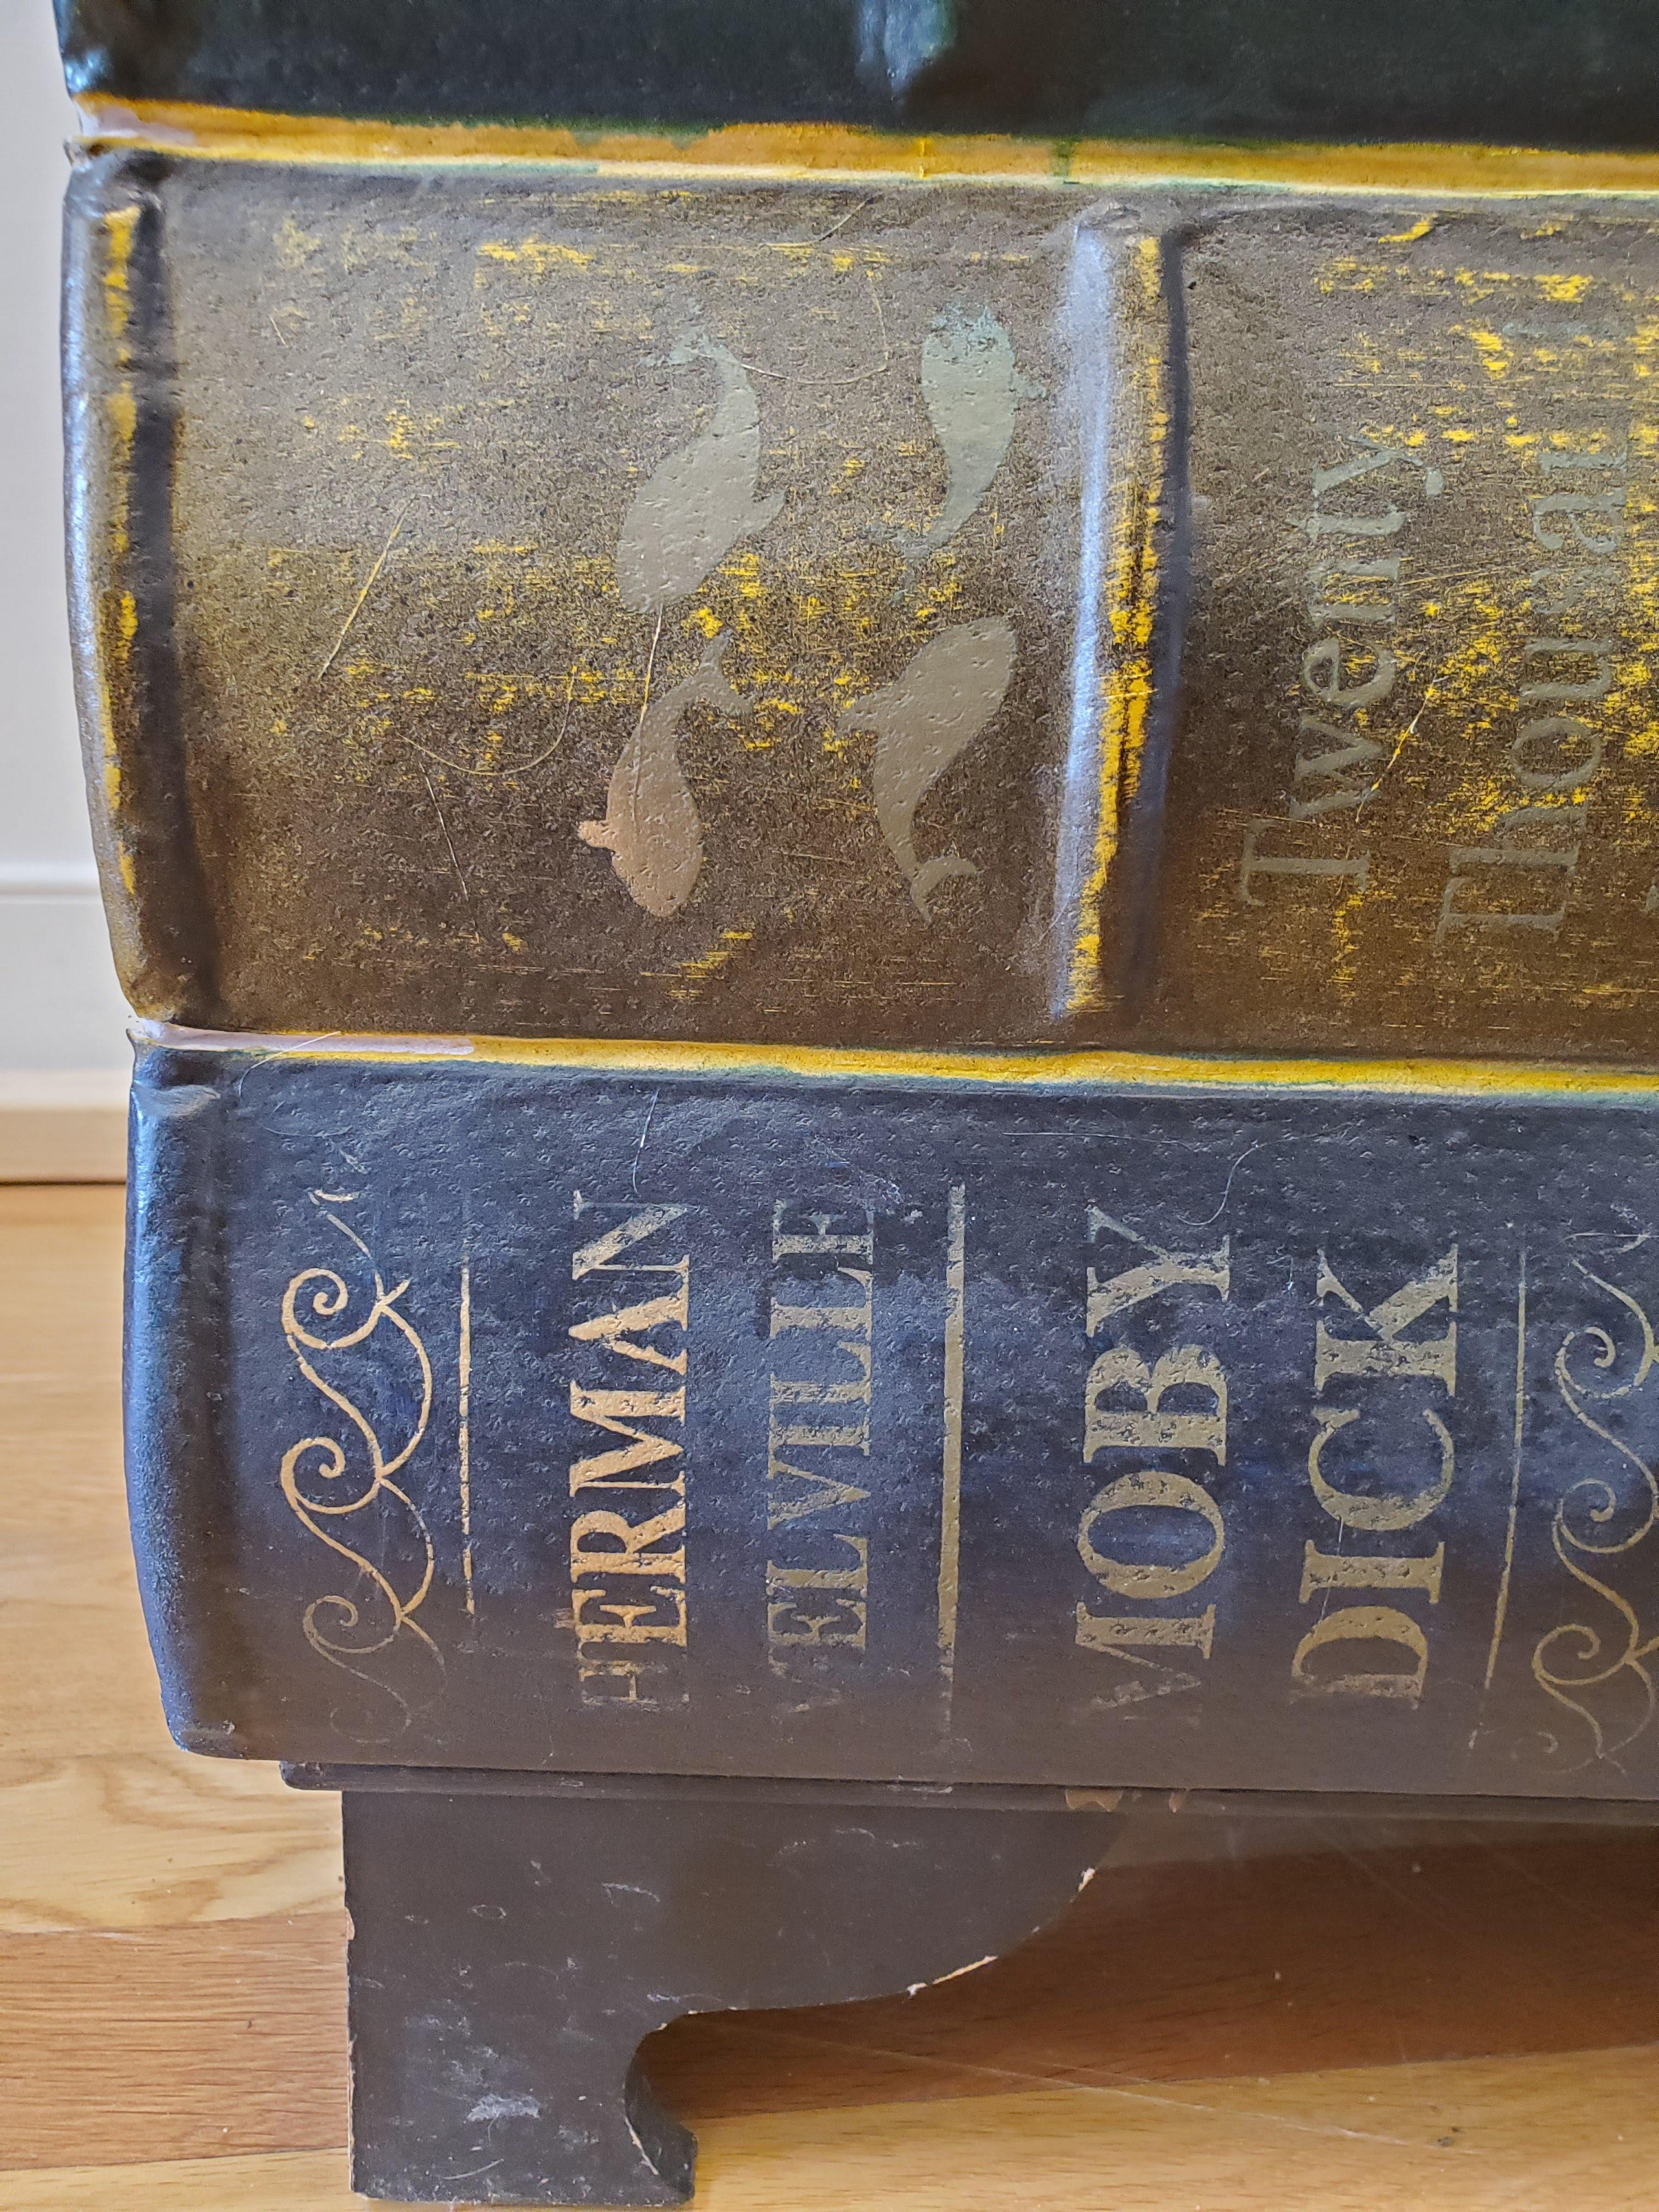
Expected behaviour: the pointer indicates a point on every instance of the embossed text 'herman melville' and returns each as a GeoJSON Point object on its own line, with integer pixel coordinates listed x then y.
{"type": "Point", "coordinates": [818, 1435]}
{"type": "Point", "coordinates": [628, 1483]}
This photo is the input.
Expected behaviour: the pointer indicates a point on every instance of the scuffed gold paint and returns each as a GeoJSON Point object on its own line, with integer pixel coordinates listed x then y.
{"type": "Point", "coordinates": [692, 975]}
{"type": "Point", "coordinates": [1564, 290]}
{"type": "Point", "coordinates": [1420, 228]}
{"type": "Point", "coordinates": [541, 254]}
{"type": "Point", "coordinates": [123, 409]}
{"type": "Point", "coordinates": [120, 229]}
{"type": "Point", "coordinates": [118, 610]}
{"type": "Point", "coordinates": [1104, 1071]}
{"type": "Point", "coordinates": [823, 151]}
{"type": "Point", "coordinates": [1127, 692]}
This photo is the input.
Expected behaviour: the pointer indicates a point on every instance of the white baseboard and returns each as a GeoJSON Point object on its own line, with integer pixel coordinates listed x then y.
{"type": "Point", "coordinates": [62, 1125]}
{"type": "Point", "coordinates": [60, 1007]}
{"type": "Point", "coordinates": [63, 1053]}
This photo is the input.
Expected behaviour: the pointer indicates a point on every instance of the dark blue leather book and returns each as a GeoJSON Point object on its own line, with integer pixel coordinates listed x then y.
{"type": "Point", "coordinates": [1084, 1421]}
{"type": "Point", "coordinates": [1529, 72]}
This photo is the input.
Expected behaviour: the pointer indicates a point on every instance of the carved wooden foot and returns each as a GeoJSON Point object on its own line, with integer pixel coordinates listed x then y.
{"type": "Point", "coordinates": [509, 1953]}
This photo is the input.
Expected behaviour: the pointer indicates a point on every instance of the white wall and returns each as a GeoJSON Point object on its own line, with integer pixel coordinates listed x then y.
{"type": "Point", "coordinates": [59, 1008]}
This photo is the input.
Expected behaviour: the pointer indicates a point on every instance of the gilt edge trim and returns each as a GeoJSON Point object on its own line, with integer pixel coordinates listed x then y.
{"type": "Point", "coordinates": [857, 153]}
{"type": "Point", "coordinates": [1036, 1070]}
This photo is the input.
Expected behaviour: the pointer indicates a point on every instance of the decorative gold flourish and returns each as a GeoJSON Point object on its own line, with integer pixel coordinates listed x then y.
{"type": "Point", "coordinates": [341, 1629]}
{"type": "Point", "coordinates": [1600, 1516]}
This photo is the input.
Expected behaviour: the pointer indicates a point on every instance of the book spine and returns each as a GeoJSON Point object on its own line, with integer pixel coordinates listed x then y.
{"type": "Point", "coordinates": [1128, 326]}
{"type": "Point", "coordinates": [121, 435]}
{"type": "Point", "coordinates": [1184, 1433]}
{"type": "Point", "coordinates": [174, 1391]}
{"type": "Point", "coordinates": [1131, 700]}
{"type": "Point", "coordinates": [1530, 74]}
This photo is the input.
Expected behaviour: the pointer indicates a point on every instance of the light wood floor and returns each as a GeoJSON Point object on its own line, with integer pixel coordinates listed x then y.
{"type": "Point", "coordinates": [1292, 2017]}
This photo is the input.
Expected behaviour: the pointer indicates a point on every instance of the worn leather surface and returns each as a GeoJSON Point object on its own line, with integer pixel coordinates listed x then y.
{"type": "Point", "coordinates": [1529, 72]}
{"type": "Point", "coordinates": [509, 602]}
{"type": "Point", "coordinates": [869, 1427]}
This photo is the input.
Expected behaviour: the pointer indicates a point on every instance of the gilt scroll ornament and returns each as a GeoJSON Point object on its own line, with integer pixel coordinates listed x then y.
{"type": "Point", "coordinates": [361, 1513]}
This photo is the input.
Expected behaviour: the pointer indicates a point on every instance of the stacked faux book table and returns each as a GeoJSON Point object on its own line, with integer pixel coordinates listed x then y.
{"type": "Point", "coordinates": [896, 933]}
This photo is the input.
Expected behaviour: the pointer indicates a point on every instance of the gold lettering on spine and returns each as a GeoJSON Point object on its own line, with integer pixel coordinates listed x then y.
{"type": "Point", "coordinates": [1407, 1337]}
{"type": "Point", "coordinates": [1127, 1408]}
{"type": "Point", "coordinates": [1351, 584]}
{"type": "Point", "coordinates": [1383, 1348]}
{"type": "Point", "coordinates": [1118, 1632]}
{"type": "Point", "coordinates": [1364, 1623]}
{"type": "Point", "coordinates": [627, 1570]}
{"type": "Point", "coordinates": [1146, 1487]}
{"type": "Point", "coordinates": [1151, 1429]}
{"type": "Point", "coordinates": [1522, 879]}
{"type": "Point", "coordinates": [616, 1412]}
{"type": "Point", "coordinates": [1323, 1571]}
{"type": "Point", "coordinates": [791, 1618]}
{"type": "Point", "coordinates": [1356, 1510]}
{"type": "Point", "coordinates": [820, 1395]}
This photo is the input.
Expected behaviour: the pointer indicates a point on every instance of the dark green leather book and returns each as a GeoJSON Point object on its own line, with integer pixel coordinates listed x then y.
{"type": "Point", "coordinates": [517, 601]}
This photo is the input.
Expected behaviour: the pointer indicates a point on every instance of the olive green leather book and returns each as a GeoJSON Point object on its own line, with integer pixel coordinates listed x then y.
{"type": "Point", "coordinates": [513, 599]}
